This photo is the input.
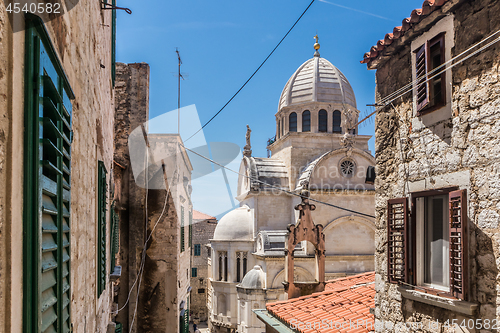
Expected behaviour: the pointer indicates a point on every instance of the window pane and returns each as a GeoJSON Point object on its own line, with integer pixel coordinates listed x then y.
{"type": "Point", "coordinates": [292, 122]}
{"type": "Point", "coordinates": [306, 121]}
{"type": "Point", "coordinates": [436, 249]}
{"type": "Point", "coordinates": [322, 121]}
{"type": "Point", "coordinates": [337, 118]}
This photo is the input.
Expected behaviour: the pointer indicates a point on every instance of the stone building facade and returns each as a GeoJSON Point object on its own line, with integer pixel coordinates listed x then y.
{"type": "Point", "coordinates": [203, 228]}
{"type": "Point", "coordinates": [152, 178]}
{"type": "Point", "coordinates": [56, 153]}
{"type": "Point", "coordinates": [316, 148]}
{"type": "Point", "coordinates": [438, 161]}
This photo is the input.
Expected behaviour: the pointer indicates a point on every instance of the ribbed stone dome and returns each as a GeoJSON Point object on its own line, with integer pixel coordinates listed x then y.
{"type": "Point", "coordinates": [317, 80]}
{"type": "Point", "coordinates": [235, 225]}
{"type": "Point", "coordinates": [254, 279]}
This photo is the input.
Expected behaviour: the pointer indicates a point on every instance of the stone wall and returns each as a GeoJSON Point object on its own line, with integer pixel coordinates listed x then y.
{"type": "Point", "coordinates": [82, 45]}
{"type": "Point", "coordinates": [463, 149]}
{"type": "Point", "coordinates": [203, 231]}
{"type": "Point", "coordinates": [132, 110]}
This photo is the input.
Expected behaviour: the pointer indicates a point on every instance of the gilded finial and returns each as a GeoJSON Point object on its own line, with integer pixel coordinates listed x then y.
{"type": "Point", "coordinates": [316, 46]}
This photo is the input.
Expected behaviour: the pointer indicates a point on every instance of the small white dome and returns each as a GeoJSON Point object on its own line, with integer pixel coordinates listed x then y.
{"type": "Point", "coordinates": [235, 225]}
{"type": "Point", "coordinates": [317, 80]}
{"type": "Point", "coordinates": [254, 279]}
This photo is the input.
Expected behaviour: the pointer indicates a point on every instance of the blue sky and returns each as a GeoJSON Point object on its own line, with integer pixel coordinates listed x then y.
{"type": "Point", "coordinates": [223, 42]}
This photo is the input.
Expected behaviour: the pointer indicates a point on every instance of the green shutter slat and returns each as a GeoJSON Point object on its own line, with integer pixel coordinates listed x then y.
{"type": "Point", "coordinates": [50, 130]}
{"type": "Point", "coordinates": [65, 255]}
{"type": "Point", "coordinates": [65, 271]}
{"type": "Point", "coordinates": [49, 298]}
{"type": "Point", "coordinates": [65, 169]}
{"type": "Point", "coordinates": [48, 318]}
{"type": "Point", "coordinates": [65, 226]}
{"type": "Point", "coordinates": [48, 206]}
{"type": "Point", "coordinates": [48, 243]}
{"type": "Point", "coordinates": [50, 168]}
{"type": "Point", "coordinates": [48, 280]}
{"type": "Point", "coordinates": [65, 240]}
{"type": "Point", "coordinates": [48, 261]}
{"type": "Point", "coordinates": [48, 224]}
{"type": "Point", "coordinates": [66, 195]}
{"type": "Point", "coordinates": [50, 90]}
{"type": "Point", "coordinates": [65, 212]}
{"type": "Point", "coordinates": [49, 186]}
{"type": "Point", "coordinates": [50, 110]}
{"type": "Point", "coordinates": [65, 285]}
{"type": "Point", "coordinates": [50, 151]}
{"type": "Point", "coordinates": [51, 329]}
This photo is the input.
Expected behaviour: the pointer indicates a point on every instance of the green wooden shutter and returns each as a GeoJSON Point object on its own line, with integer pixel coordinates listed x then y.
{"type": "Point", "coordinates": [115, 236]}
{"type": "Point", "coordinates": [101, 227]}
{"type": "Point", "coordinates": [47, 180]}
{"type": "Point", "coordinates": [182, 228]}
{"type": "Point", "coordinates": [190, 228]}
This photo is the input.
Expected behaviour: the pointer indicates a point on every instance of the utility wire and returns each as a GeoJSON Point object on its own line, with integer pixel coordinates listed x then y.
{"type": "Point", "coordinates": [442, 68]}
{"type": "Point", "coordinates": [276, 187]}
{"type": "Point", "coordinates": [255, 72]}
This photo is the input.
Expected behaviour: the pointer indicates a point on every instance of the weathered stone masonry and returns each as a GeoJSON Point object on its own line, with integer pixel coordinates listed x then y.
{"type": "Point", "coordinates": [465, 145]}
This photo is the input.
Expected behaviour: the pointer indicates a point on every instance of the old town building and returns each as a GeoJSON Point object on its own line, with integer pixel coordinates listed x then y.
{"type": "Point", "coordinates": [56, 153]}
{"type": "Point", "coordinates": [203, 228]}
{"type": "Point", "coordinates": [317, 148]}
{"type": "Point", "coordinates": [438, 161]}
{"type": "Point", "coordinates": [153, 176]}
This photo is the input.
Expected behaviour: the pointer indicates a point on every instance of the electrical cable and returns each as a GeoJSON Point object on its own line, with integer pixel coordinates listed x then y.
{"type": "Point", "coordinates": [276, 187]}
{"type": "Point", "coordinates": [255, 72]}
{"type": "Point", "coordinates": [409, 87]}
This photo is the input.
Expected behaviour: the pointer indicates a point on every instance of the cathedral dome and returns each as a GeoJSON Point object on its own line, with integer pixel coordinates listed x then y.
{"type": "Point", "coordinates": [317, 80]}
{"type": "Point", "coordinates": [235, 225]}
{"type": "Point", "coordinates": [255, 279]}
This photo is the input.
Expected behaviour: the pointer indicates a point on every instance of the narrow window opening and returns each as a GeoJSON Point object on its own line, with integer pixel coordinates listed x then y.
{"type": "Point", "coordinates": [292, 122]}
{"type": "Point", "coordinates": [322, 121]}
{"type": "Point", "coordinates": [306, 121]}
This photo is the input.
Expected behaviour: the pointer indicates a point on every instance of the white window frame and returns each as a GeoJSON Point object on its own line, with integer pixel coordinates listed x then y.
{"type": "Point", "coordinates": [420, 244]}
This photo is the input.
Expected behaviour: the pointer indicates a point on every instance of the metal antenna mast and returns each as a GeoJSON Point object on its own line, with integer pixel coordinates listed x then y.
{"type": "Point", "coordinates": [179, 77]}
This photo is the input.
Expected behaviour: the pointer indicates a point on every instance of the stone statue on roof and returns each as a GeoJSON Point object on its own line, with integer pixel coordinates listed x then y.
{"type": "Point", "coordinates": [247, 150]}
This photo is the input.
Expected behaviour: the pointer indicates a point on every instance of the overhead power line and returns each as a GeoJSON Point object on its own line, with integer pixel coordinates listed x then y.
{"type": "Point", "coordinates": [255, 72]}
{"type": "Point", "coordinates": [276, 187]}
{"type": "Point", "coordinates": [433, 74]}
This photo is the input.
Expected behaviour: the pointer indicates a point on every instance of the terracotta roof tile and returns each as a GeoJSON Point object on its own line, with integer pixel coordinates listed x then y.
{"type": "Point", "coordinates": [428, 6]}
{"type": "Point", "coordinates": [345, 300]}
{"type": "Point", "coordinates": [201, 216]}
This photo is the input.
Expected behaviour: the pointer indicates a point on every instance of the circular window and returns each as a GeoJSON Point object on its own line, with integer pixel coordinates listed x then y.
{"type": "Point", "coordinates": [347, 168]}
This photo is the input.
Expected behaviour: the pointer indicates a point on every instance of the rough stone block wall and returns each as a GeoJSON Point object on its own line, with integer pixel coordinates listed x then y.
{"type": "Point", "coordinates": [203, 231]}
{"type": "Point", "coordinates": [82, 40]}
{"type": "Point", "coordinates": [467, 142]}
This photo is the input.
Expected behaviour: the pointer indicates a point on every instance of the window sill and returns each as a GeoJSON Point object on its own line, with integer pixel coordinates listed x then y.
{"type": "Point", "coordinates": [455, 305]}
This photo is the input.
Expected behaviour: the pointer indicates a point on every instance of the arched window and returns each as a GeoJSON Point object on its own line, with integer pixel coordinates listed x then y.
{"type": "Point", "coordinates": [238, 276]}
{"type": "Point", "coordinates": [292, 122]}
{"type": "Point", "coordinates": [225, 268]}
{"type": "Point", "coordinates": [306, 121]}
{"type": "Point", "coordinates": [323, 121]}
{"type": "Point", "coordinates": [244, 265]}
{"type": "Point", "coordinates": [337, 120]}
{"type": "Point", "coordinates": [220, 268]}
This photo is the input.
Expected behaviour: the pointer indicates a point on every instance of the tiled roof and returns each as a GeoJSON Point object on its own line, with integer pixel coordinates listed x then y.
{"type": "Point", "coordinates": [201, 216]}
{"type": "Point", "coordinates": [344, 304]}
{"type": "Point", "coordinates": [416, 16]}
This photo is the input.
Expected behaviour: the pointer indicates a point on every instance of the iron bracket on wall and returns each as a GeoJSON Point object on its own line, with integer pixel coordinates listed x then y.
{"type": "Point", "coordinates": [105, 5]}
